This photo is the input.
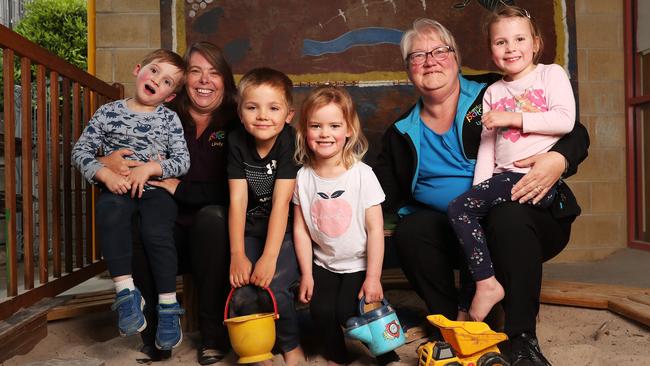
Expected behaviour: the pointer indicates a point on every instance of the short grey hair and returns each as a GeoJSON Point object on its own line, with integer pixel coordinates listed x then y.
{"type": "Point", "coordinates": [424, 27]}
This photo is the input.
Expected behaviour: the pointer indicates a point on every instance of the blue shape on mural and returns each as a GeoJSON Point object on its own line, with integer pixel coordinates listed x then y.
{"type": "Point", "coordinates": [358, 37]}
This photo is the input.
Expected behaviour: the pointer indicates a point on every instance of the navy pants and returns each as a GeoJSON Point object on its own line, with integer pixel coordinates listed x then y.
{"type": "Point", "coordinates": [157, 212]}
{"type": "Point", "coordinates": [204, 251]}
{"type": "Point", "coordinates": [287, 333]}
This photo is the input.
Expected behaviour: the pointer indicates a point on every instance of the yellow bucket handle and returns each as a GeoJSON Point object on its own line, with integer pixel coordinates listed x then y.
{"type": "Point", "coordinates": [232, 291]}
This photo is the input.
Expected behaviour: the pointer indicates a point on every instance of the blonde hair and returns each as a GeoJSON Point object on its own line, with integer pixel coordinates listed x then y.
{"type": "Point", "coordinates": [424, 28]}
{"type": "Point", "coordinates": [355, 146]}
{"type": "Point", "coordinates": [511, 11]}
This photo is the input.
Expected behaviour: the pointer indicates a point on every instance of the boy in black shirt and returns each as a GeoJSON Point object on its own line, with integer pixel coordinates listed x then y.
{"type": "Point", "coordinates": [261, 177]}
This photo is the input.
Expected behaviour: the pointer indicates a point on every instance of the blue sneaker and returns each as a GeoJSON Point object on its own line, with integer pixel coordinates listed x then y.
{"type": "Point", "coordinates": [129, 305]}
{"type": "Point", "coordinates": [169, 333]}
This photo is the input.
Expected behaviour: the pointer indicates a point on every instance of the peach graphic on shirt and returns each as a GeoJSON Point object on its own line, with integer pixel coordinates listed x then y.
{"type": "Point", "coordinates": [331, 215]}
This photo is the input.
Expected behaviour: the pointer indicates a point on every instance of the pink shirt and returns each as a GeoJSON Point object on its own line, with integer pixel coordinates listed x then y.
{"type": "Point", "coordinates": [545, 99]}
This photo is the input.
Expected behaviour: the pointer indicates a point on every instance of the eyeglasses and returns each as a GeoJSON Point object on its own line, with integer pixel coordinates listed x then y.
{"type": "Point", "coordinates": [439, 54]}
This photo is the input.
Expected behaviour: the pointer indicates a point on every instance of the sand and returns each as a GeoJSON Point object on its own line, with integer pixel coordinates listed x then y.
{"type": "Point", "coordinates": [566, 337]}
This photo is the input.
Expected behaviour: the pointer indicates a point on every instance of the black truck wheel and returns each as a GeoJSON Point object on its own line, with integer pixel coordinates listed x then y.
{"type": "Point", "coordinates": [492, 359]}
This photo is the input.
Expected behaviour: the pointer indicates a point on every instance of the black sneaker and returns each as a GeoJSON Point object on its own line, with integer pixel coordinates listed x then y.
{"type": "Point", "coordinates": [388, 358]}
{"type": "Point", "coordinates": [524, 351]}
{"type": "Point", "coordinates": [208, 355]}
{"type": "Point", "coordinates": [153, 354]}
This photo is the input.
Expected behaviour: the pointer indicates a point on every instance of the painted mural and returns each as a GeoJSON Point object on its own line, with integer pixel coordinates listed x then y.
{"type": "Point", "coordinates": [354, 42]}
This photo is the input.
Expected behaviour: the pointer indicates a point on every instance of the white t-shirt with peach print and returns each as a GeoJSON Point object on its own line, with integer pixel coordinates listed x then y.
{"type": "Point", "coordinates": [335, 213]}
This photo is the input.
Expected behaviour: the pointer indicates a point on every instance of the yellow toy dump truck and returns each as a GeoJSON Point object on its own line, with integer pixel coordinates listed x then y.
{"type": "Point", "coordinates": [466, 344]}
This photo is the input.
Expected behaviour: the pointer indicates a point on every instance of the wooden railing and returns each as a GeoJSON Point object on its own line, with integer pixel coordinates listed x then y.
{"type": "Point", "coordinates": [53, 197]}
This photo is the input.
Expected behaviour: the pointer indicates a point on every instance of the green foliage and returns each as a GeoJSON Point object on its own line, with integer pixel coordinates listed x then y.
{"type": "Point", "coordinates": [59, 26]}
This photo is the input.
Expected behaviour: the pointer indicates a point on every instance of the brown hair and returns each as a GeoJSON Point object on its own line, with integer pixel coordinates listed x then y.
{"type": "Point", "coordinates": [227, 110]}
{"type": "Point", "coordinates": [356, 145]}
{"type": "Point", "coordinates": [169, 57]}
{"type": "Point", "coordinates": [270, 77]}
{"type": "Point", "coordinates": [511, 11]}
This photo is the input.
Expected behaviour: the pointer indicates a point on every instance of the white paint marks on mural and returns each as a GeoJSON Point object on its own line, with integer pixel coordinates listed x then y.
{"type": "Point", "coordinates": [424, 4]}
{"type": "Point", "coordinates": [365, 6]}
{"type": "Point", "coordinates": [342, 15]}
{"type": "Point", "coordinates": [393, 4]}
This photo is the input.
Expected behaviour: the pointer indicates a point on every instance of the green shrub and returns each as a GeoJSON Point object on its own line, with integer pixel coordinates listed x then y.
{"type": "Point", "coordinates": [59, 26]}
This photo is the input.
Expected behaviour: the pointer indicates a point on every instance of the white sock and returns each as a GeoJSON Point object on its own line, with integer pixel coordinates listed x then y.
{"type": "Point", "coordinates": [121, 285]}
{"type": "Point", "coordinates": [168, 298]}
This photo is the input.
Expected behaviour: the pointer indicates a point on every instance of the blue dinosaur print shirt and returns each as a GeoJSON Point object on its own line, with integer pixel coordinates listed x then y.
{"type": "Point", "coordinates": [156, 135]}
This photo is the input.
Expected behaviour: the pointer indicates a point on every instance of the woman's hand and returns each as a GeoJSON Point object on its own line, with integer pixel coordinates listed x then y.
{"type": "Point", "coordinates": [115, 161]}
{"type": "Point", "coordinates": [546, 170]}
{"type": "Point", "coordinates": [371, 288]}
{"type": "Point", "coordinates": [263, 271]}
{"type": "Point", "coordinates": [169, 184]}
{"type": "Point", "coordinates": [240, 270]}
{"type": "Point", "coordinates": [306, 289]}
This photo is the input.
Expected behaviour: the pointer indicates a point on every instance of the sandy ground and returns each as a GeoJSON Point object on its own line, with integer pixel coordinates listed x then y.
{"type": "Point", "coordinates": [566, 336]}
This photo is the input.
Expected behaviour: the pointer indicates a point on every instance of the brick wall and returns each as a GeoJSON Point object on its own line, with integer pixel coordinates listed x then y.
{"type": "Point", "coordinates": [126, 31]}
{"type": "Point", "coordinates": [600, 184]}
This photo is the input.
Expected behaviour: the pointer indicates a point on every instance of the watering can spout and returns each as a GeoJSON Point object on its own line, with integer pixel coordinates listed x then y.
{"type": "Point", "coordinates": [357, 328]}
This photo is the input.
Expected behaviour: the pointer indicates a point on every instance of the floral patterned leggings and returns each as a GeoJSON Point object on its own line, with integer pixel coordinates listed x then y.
{"type": "Point", "coordinates": [466, 211]}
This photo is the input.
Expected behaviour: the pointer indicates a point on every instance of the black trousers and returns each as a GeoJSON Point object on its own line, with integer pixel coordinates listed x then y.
{"type": "Point", "coordinates": [157, 211]}
{"type": "Point", "coordinates": [204, 251]}
{"type": "Point", "coordinates": [520, 238]}
{"type": "Point", "coordinates": [334, 301]}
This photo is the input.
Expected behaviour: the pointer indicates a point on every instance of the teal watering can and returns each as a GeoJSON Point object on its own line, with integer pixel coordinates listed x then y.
{"type": "Point", "coordinates": [378, 328]}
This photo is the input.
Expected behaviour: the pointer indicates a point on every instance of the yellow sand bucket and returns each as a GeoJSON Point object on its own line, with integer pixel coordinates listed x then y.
{"type": "Point", "coordinates": [252, 336]}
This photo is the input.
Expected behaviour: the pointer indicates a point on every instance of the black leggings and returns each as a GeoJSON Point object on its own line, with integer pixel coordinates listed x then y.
{"type": "Point", "coordinates": [334, 301]}
{"type": "Point", "coordinates": [204, 251]}
{"type": "Point", "coordinates": [520, 238]}
{"type": "Point", "coordinates": [467, 210]}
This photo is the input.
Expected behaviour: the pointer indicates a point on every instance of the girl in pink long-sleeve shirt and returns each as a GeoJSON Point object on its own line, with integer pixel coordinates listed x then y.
{"type": "Point", "coordinates": [524, 114]}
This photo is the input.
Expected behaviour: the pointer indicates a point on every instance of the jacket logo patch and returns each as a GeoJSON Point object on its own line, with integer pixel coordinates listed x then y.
{"type": "Point", "coordinates": [216, 138]}
{"type": "Point", "coordinates": [474, 114]}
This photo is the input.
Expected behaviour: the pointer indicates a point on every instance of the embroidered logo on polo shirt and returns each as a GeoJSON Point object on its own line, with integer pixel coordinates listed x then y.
{"type": "Point", "coordinates": [216, 138]}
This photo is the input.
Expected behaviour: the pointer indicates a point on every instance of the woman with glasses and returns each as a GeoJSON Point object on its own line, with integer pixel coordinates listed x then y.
{"type": "Point", "coordinates": [428, 158]}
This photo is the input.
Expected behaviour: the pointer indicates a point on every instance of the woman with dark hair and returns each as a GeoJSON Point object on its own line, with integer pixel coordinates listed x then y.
{"type": "Point", "coordinates": [208, 111]}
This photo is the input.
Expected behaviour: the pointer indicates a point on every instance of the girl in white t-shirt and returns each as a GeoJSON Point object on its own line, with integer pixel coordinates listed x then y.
{"type": "Point", "coordinates": [338, 208]}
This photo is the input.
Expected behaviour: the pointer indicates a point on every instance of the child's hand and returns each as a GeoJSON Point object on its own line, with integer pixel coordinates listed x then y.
{"type": "Point", "coordinates": [263, 271]}
{"type": "Point", "coordinates": [116, 162]}
{"type": "Point", "coordinates": [139, 177]}
{"type": "Point", "coordinates": [116, 183]}
{"type": "Point", "coordinates": [240, 270]}
{"type": "Point", "coordinates": [372, 290]}
{"type": "Point", "coordinates": [494, 119]}
{"type": "Point", "coordinates": [306, 289]}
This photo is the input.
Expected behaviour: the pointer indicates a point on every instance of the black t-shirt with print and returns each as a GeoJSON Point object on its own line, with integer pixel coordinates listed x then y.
{"type": "Point", "coordinates": [260, 173]}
